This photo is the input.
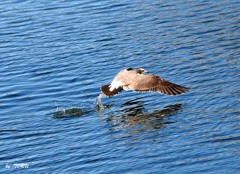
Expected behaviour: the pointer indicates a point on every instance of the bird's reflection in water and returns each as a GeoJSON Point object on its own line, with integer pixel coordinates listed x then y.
{"type": "Point", "coordinates": [133, 115]}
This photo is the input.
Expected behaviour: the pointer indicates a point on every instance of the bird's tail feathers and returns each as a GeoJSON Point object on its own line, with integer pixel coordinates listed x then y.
{"type": "Point", "coordinates": [106, 90]}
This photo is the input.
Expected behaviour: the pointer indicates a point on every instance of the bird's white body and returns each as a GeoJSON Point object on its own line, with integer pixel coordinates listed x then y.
{"type": "Point", "coordinates": [115, 84]}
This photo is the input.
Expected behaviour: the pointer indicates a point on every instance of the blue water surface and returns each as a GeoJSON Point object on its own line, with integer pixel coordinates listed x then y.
{"type": "Point", "coordinates": [54, 56]}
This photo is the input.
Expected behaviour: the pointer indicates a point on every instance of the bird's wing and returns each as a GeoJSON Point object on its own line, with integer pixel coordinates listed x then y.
{"type": "Point", "coordinates": [152, 83]}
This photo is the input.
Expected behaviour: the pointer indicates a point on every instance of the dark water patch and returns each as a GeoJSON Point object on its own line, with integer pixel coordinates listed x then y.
{"type": "Point", "coordinates": [135, 117]}
{"type": "Point", "coordinates": [70, 113]}
{"type": "Point", "coordinates": [7, 130]}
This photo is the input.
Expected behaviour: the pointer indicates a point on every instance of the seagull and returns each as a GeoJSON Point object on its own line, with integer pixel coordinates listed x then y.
{"type": "Point", "coordinates": [138, 80]}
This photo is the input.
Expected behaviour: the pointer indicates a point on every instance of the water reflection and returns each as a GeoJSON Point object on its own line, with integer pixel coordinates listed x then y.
{"type": "Point", "coordinates": [133, 115]}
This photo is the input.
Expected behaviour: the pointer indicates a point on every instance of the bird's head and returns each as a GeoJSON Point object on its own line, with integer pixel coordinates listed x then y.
{"type": "Point", "coordinates": [128, 69]}
{"type": "Point", "coordinates": [138, 70]}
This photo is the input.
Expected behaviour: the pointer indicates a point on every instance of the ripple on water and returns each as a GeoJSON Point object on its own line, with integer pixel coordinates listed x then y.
{"type": "Point", "coordinates": [55, 55]}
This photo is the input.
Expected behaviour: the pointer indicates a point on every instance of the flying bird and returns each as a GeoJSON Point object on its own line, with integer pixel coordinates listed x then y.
{"type": "Point", "coordinates": [137, 80]}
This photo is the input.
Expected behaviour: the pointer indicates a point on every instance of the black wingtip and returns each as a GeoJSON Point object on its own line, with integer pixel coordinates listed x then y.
{"type": "Point", "coordinates": [177, 89]}
{"type": "Point", "coordinates": [106, 90]}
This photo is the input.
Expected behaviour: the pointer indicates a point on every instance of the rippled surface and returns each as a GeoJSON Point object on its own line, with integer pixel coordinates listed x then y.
{"type": "Point", "coordinates": [56, 54]}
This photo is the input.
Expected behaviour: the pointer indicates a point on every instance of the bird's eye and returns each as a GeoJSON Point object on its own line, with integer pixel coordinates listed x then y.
{"type": "Point", "coordinates": [129, 69]}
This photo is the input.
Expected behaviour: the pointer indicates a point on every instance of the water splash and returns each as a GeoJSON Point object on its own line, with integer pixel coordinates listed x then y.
{"type": "Point", "coordinates": [99, 101]}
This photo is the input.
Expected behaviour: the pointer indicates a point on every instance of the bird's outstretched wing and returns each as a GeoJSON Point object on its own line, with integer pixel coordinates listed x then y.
{"type": "Point", "coordinates": [152, 83]}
